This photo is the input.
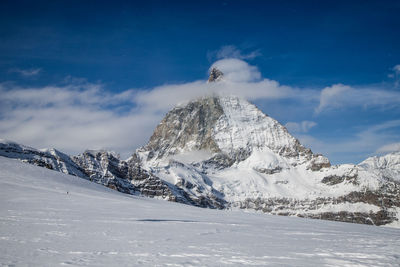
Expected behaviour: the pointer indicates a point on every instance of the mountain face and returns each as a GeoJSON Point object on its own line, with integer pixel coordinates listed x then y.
{"type": "Point", "coordinates": [227, 126]}
{"type": "Point", "coordinates": [48, 158]}
{"type": "Point", "coordinates": [226, 148]}
{"type": "Point", "coordinates": [222, 152]}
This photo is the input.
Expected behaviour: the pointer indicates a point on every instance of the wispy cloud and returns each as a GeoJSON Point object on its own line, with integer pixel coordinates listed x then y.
{"type": "Point", "coordinates": [300, 127]}
{"type": "Point", "coordinates": [393, 147]}
{"type": "Point", "coordinates": [240, 79]}
{"type": "Point", "coordinates": [396, 75]}
{"type": "Point", "coordinates": [162, 98]}
{"type": "Point", "coordinates": [231, 51]}
{"type": "Point", "coordinates": [236, 70]}
{"type": "Point", "coordinates": [341, 96]}
{"type": "Point", "coordinates": [377, 138]}
{"type": "Point", "coordinates": [73, 118]}
{"type": "Point", "coordinates": [27, 72]}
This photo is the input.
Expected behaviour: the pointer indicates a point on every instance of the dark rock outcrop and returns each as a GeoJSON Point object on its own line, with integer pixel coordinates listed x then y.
{"type": "Point", "coordinates": [186, 125]}
{"type": "Point", "coordinates": [215, 75]}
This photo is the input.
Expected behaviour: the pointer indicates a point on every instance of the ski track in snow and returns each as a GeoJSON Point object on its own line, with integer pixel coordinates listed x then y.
{"type": "Point", "coordinates": [42, 225]}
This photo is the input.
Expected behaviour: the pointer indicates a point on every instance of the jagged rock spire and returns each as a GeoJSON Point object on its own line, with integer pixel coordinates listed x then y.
{"type": "Point", "coordinates": [215, 75]}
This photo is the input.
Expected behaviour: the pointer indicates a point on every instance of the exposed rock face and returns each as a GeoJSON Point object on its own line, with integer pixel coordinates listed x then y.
{"type": "Point", "coordinates": [105, 168]}
{"type": "Point", "coordinates": [318, 162]}
{"type": "Point", "coordinates": [381, 206]}
{"type": "Point", "coordinates": [215, 75]}
{"type": "Point", "coordinates": [48, 158]}
{"type": "Point", "coordinates": [367, 206]}
{"type": "Point", "coordinates": [186, 128]}
{"type": "Point", "coordinates": [149, 185]}
{"type": "Point", "coordinates": [243, 128]}
{"type": "Point", "coordinates": [101, 166]}
{"type": "Point", "coordinates": [335, 179]}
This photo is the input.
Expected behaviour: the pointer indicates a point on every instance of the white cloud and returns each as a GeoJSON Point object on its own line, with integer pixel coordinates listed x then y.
{"type": "Point", "coordinates": [27, 72]}
{"type": "Point", "coordinates": [73, 118]}
{"type": "Point", "coordinates": [237, 70]}
{"type": "Point", "coordinates": [364, 143]}
{"type": "Point", "coordinates": [333, 96]}
{"type": "Point", "coordinates": [394, 147]}
{"type": "Point", "coordinates": [396, 69]}
{"type": "Point", "coordinates": [300, 127]}
{"type": "Point", "coordinates": [396, 75]}
{"type": "Point", "coordinates": [240, 79]}
{"type": "Point", "coordinates": [231, 51]}
{"type": "Point", "coordinates": [164, 97]}
{"type": "Point", "coordinates": [342, 96]}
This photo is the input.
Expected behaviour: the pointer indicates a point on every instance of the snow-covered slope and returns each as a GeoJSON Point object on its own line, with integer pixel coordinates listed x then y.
{"type": "Point", "coordinates": [50, 219]}
{"type": "Point", "coordinates": [48, 158]}
{"type": "Point", "coordinates": [386, 166]}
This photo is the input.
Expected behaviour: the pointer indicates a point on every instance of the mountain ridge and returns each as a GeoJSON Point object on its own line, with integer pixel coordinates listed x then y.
{"type": "Point", "coordinates": [189, 165]}
{"type": "Point", "coordinates": [223, 152]}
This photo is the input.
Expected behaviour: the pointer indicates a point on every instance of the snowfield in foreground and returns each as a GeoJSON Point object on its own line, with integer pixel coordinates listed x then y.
{"type": "Point", "coordinates": [43, 225]}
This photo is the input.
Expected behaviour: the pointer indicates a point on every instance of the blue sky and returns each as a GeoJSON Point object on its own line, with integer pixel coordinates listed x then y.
{"type": "Point", "coordinates": [92, 67]}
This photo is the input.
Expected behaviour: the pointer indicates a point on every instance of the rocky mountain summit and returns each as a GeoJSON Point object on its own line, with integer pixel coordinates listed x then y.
{"type": "Point", "coordinates": [223, 152]}
{"type": "Point", "coordinates": [215, 75]}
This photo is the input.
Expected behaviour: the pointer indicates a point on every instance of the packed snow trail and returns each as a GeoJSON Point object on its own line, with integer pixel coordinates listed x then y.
{"type": "Point", "coordinates": [50, 219]}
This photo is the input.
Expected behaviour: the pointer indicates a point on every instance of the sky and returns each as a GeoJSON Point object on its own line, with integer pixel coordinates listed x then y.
{"type": "Point", "coordinates": [79, 75]}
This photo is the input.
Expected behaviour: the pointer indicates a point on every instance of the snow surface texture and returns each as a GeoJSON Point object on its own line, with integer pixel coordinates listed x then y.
{"type": "Point", "coordinates": [50, 219]}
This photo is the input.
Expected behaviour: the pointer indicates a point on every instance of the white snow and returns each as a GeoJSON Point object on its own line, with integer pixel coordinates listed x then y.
{"type": "Point", "coordinates": [240, 182]}
{"type": "Point", "coordinates": [388, 165]}
{"type": "Point", "coordinates": [264, 158]}
{"type": "Point", "coordinates": [43, 225]}
{"type": "Point", "coordinates": [247, 180]}
{"type": "Point", "coordinates": [244, 126]}
{"type": "Point", "coordinates": [192, 156]}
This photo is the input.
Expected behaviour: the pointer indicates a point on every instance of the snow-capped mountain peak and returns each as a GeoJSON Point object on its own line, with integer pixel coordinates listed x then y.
{"type": "Point", "coordinates": [391, 160]}
{"type": "Point", "coordinates": [223, 152]}
{"type": "Point", "coordinates": [228, 128]}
